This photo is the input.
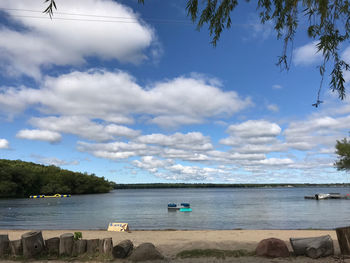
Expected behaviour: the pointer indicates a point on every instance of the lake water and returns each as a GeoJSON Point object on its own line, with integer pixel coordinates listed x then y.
{"type": "Point", "coordinates": [213, 208]}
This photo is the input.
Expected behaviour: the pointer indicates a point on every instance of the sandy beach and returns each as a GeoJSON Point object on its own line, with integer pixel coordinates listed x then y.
{"type": "Point", "coordinates": [172, 242]}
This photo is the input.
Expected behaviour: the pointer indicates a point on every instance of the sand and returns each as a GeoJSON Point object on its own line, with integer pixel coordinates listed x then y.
{"type": "Point", "coordinates": [172, 242]}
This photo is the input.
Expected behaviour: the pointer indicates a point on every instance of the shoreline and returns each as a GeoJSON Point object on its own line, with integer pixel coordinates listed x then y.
{"type": "Point", "coordinates": [171, 242]}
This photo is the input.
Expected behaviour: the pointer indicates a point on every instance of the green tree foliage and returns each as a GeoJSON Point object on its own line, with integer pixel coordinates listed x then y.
{"type": "Point", "coordinates": [343, 152]}
{"type": "Point", "coordinates": [21, 179]}
{"type": "Point", "coordinates": [328, 23]}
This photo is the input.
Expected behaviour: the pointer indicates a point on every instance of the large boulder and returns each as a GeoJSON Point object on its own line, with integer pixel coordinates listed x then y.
{"type": "Point", "coordinates": [145, 251]}
{"type": "Point", "coordinates": [272, 247]}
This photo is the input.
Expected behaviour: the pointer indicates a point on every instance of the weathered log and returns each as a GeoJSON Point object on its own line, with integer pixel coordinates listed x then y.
{"type": "Point", "coordinates": [4, 245]}
{"type": "Point", "coordinates": [92, 246]}
{"type": "Point", "coordinates": [79, 247]}
{"type": "Point", "coordinates": [106, 246]}
{"type": "Point", "coordinates": [144, 252]}
{"type": "Point", "coordinates": [53, 246]}
{"type": "Point", "coordinates": [32, 243]}
{"type": "Point", "coordinates": [313, 247]}
{"type": "Point", "coordinates": [343, 234]}
{"type": "Point", "coordinates": [16, 247]}
{"type": "Point", "coordinates": [66, 244]}
{"type": "Point", "coordinates": [123, 249]}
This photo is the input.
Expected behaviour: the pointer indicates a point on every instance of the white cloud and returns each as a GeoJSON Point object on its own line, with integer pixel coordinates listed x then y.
{"type": "Point", "coordinates": [194, 141]}
{"type": "Point", "coordinates": [273, 107]}
{"type": "Point", "coordinates": [276, 86]}
{"type": "Point", "coordinates": [114, 150]}
{"type": "Point", "coordinates": [307, 54]}
{"type": "Point", "coordinates": [43, 42]}
{"type": "Point", "coordinates": [255, 128]}
{"type": "Point", "coordinates": [4, 144]}
{"type": "Point", "coordinates": [83, 127]}
{"type": "Point", "coordinates": [41, 135]}
{"type": "Point", "coordinates": [113, 96]}
{"type": "Point", "coordinates": [152, 164]}
{"type": "Point", "coordinates": [182, 172]}
{"type": "Point", "coordinates": [277, 161]}
{"type": "Point", "coordinates": [53, 160]}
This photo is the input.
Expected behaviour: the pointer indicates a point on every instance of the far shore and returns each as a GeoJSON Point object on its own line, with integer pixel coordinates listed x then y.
{"type": "Point", "coordinates": [171, 242]}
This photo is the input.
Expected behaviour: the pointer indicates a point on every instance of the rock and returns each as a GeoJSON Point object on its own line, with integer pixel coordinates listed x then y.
{"type": "Point", "coordinates": [123, 249]}
{"type": "Point", "coordinates": [16, 247]}
{"type": "Point", "coordinates": [33, 244]}
{"type": "Point", "coordinates": [53, 245]}
{"type": "Point", "coordinates": [145, 251]}
{"type": "Point", "coordinates": [272, 247]}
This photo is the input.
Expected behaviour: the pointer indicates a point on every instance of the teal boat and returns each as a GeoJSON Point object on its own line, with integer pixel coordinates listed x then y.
{"type": "Point", "coordinates": [186, 209]}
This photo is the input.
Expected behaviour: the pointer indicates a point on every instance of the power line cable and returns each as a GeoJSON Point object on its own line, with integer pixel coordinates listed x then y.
{"type": "Point", "coordinates": [134, 20]}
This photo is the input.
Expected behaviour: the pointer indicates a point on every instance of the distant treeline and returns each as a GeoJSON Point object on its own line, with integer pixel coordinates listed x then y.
{"type": "Point", "coordinates": [183, 185]}
{"type": "Point", "coordinates": [21, 179]}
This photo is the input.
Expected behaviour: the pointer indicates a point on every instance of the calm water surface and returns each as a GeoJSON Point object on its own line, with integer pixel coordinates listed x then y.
{"type": "Point", "coordinates": [213, 208]}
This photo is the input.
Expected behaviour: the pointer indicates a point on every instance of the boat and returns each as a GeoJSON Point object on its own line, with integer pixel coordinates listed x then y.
{"type": "Point", "coordinates": [50, 196]}
{"type": "Point", "coordinates": [183, 207]}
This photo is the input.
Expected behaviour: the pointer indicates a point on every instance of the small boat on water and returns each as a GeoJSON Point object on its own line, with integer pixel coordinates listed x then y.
{"type": "Point", "coordinates": [50, 196]}
{"type": "Point", "coordinates": [183, 207]}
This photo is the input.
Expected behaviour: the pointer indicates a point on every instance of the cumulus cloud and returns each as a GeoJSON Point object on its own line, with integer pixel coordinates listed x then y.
{"type": "Point", "coordinates": [42, 42]}
{"type": "Point", "coordinates": [114, 150]}
{"type": "Point", "coordinates": [4, 144]}
{"type": "Point", "coordinates": [193, 140]}
{"type": "Point", "coordinates": [182, 172]}
{"type": "Point", "coordinates": [307, 54]}
{"type": "Point", "coordinates": [255, 128]}
{"type": "Point", "coordinates": [41, 135]}
{"type": "Point", "coordinates": [83, 127]}
{"type": "Point", "coordinates": [113, 96]}
{"type": "Point", "coordinates": [152, 164]}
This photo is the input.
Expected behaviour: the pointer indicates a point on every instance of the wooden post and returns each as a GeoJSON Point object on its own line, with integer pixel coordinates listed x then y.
{"type": "Point", "coordinates": [33, 244]}
{"type": "Point", "coordinates": [79, 247]}
{"type": "Point", "coordinates": [343, 234]}
{"type": "Point", "coordinates": [16, 247]}
{"type": "Point", "coordinates": [107, 246]}
{"type": "Point", "coordinates": [66, 244]}
{"type": "Point", "coordinates": [4, 245]}
{"type": "Point", "coordinates": [53, 246]}
{"type": "Point", "coordinates": [123, 249]}
{"type": "Point", "coordinates": [92, 246]}
{"type": "Point", "coordinates": [313, 247]}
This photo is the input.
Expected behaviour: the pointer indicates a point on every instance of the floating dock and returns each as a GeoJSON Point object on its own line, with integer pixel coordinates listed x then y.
{"type": "Point", "coordinates": [328, 196]}
{"type": "Point", "coordinates": [50, 196]}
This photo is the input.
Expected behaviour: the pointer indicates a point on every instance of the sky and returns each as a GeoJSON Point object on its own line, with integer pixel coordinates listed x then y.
{"type": "Point", "coordinates": [137, 94]}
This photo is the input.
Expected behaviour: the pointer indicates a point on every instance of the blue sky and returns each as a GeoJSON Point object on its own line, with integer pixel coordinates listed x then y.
{"type": "Point", "coordinates": [136, 94]}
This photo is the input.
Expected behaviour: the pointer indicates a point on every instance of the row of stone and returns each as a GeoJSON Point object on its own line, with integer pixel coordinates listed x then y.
{"type": "Point", "coordinates": [32, 245]}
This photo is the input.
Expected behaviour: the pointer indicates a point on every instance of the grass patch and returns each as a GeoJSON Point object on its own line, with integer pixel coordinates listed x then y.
{"type": "Point", "coordinates": [217, 253]}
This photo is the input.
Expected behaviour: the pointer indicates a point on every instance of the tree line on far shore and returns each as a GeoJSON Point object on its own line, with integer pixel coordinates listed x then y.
{"type": "Point", "coordinates": [22, 179]}
{"type": "Point", "coordinates": [205, 185]}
